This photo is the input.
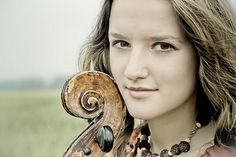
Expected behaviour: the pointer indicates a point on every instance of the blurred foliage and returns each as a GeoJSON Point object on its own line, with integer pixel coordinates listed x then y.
{"type": "Point", "coordinates": [34, 124]}
{"type": "Point", "coordinates": [33, 83]}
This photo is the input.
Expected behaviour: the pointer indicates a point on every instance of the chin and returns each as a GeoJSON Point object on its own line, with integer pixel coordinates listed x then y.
{"type": "Point", "coordinates": [144, 115]}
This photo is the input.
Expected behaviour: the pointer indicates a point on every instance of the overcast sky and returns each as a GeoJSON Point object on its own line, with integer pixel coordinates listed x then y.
{"type": "Point", "coordinates": [42, 37]}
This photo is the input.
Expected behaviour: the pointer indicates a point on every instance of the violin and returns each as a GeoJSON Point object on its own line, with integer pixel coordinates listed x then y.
{"type": "Point", "coordinates": [94, 96]}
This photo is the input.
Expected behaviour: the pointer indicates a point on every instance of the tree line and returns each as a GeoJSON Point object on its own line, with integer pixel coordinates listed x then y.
{"type": "Point", "coordinates": [33, 83]}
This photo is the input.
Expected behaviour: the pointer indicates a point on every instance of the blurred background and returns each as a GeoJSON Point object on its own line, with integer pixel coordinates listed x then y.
{"type": "Point", "coordinates": [39, 48]}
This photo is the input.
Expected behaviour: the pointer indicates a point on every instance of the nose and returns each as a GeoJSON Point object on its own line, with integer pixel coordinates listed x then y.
{"type": "Point", "coordinates": [136, 67]}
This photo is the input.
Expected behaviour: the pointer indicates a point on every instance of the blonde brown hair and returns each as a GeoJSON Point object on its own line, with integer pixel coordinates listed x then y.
{"type": "Point", "coordinates": [211, 26]}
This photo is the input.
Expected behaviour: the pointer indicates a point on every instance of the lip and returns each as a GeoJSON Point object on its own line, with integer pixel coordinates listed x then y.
{"type": "Point", "coordinates": [140, 92]}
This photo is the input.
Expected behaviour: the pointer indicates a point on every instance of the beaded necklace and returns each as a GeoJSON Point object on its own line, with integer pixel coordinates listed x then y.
{"type": "Point", "coordinates": [143, 145]}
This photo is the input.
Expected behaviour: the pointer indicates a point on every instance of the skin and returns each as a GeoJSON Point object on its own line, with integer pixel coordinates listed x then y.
{"type": "Point", "coordinates": [155, 67]}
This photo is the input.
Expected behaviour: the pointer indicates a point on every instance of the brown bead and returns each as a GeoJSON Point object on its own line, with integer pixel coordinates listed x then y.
{"type": "Point", "coordinates": [164, 153]}
{"type": "Point", "coordinates": [184, 146]}
{"type": "Point", "coordinates": [175, 149]}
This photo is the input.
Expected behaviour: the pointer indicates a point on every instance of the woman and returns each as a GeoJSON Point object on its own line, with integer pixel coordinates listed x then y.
{"type": "Point", "coordinates": [174, 64]}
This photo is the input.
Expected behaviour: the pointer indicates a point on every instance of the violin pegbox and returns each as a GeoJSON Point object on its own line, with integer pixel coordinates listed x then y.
{"type": "Point", "coordinates": [94, 96]}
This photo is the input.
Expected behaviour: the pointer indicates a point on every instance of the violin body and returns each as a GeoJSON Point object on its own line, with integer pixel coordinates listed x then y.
{"type": "Point", "coordinates": [94, 96]}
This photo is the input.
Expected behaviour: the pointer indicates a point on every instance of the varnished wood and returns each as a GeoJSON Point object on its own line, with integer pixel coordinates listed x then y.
{"type": "Point", "coordinates": [94, 96]}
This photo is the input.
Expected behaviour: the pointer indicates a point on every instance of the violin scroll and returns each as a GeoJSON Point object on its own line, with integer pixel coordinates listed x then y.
{"type": "Point", "coordinates": [94, 96]}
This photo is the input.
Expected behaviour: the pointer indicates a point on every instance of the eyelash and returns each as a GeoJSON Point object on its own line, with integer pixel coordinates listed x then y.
{"type": "Point", "coordinates": [170, 46]}
{"type": "Point", "coordinates": [114, 43]}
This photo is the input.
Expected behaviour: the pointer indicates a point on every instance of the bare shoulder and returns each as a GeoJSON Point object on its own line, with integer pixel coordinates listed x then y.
{"type": "Point", "coordinates": [211, 150]}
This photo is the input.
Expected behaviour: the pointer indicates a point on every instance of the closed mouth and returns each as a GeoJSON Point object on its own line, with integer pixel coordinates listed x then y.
{"type": "Point", "coordinates": [137, 89]}
{"type": "Point", "coordinates": [140, 92]}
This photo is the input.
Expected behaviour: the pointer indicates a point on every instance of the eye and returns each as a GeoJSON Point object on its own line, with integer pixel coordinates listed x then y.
{"type": "Point", "coordinates": [120, 44]}
{"type": "Point", "coordinates": [162, 46]}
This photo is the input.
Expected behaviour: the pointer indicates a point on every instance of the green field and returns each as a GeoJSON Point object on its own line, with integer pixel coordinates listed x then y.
{"type": "Point", "coordinates": [34, 124]}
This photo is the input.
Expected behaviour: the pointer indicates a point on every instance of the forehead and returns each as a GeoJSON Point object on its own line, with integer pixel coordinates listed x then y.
{"type": "Point", "coordinates": [141, 6]}
{"type": "Point", "coordinates": [147, 16]}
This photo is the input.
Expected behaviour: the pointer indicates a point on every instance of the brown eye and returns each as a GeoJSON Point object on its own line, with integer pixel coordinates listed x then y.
{"type": "Point", "coordinates": [120, 44]}
{"type": "Point", "coordinates": [165, 46]}
{"type": "Point", "coordinates": [161, 46]}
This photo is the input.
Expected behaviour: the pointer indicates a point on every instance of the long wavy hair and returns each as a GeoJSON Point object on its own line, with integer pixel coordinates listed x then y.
{"type": "Point", "coordinates": [211, 27]}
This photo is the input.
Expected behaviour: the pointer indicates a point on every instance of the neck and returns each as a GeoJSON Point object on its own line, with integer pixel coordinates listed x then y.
{"type": "Point", "coordinates": [173, 127]}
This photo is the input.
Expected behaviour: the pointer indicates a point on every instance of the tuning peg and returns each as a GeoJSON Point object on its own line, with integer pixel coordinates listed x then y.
{"type": "Point", "coordinates": [105, 138]}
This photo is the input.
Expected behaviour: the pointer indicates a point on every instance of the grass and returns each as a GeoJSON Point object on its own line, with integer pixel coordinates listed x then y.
{"type": "Point", "coordinates": [34, 124]}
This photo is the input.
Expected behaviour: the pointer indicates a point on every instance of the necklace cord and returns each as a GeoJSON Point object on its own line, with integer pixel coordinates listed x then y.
{"type": "Point", "coordinates": [144, 146]}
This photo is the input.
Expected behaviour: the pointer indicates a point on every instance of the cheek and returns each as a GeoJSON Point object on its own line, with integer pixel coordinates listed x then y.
{"type": "Point", "coordinates": [183, 67]}
{"type": "Point", "coordinates": [178, 77]}
{"type": "Point", "coordinates": [117, 65]}
{"type": "Point", "coordinates": [113, 62]}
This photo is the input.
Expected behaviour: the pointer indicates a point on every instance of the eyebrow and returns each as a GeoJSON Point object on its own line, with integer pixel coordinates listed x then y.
{"type": "Point", "coordinates": [117, 35]}
{"type": "Point", "coordinates": [151, 38]}
{"type": "Point", "coordinates": [163, 37]}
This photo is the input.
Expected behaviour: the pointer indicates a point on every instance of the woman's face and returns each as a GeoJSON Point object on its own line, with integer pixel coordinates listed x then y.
{"type": "Point", "coordinates": [152, 61]}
